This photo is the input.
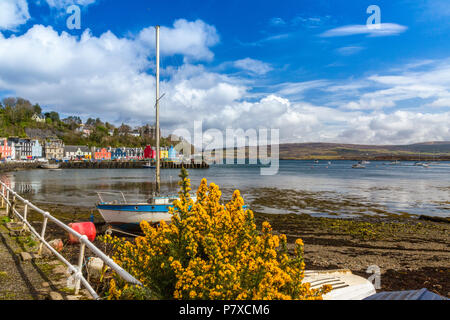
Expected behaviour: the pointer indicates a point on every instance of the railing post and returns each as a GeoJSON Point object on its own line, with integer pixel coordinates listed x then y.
{"type": "Point", "coordinates": [44, 226]}
{"type": "Point", "coordinates": [80, 264]}
{"type": "Point", "coordinates": [13, 207]}
{"type": "Point", "coordinates": [7, 201]}
{"type": "Point", "coordinates": [3, 195]}
{"type": "Point", "coordinates": [25, 213]}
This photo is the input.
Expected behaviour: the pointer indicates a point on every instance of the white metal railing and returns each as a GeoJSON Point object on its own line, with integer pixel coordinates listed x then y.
{"type": "Point", "coordinates": [7, 192]}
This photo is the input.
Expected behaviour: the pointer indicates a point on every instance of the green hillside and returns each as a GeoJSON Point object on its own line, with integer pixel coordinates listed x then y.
{"type": "Point", "coordinates": [16, 120]}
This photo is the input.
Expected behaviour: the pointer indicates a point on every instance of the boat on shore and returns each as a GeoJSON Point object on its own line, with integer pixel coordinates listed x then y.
{"type": "Point", "coordinates": [51, 166]}
{"type": "Point", "coordinates": [127, 216]}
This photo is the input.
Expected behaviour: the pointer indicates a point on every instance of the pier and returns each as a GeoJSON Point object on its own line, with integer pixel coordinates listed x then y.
{"type": "Point", "coordinates": [16, 166]}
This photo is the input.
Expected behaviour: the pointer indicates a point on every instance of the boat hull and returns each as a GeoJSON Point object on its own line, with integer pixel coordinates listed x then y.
{"type": "Point", "coordinates": [129, 216]}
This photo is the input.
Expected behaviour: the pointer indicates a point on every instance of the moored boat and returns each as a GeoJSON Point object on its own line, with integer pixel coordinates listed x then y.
{"type": "Point", "coordinates": [358, 166]}
{"type": "Point", "coordinates": [127, 216]}
{"type": "Point", "coordinates": [50, 166]}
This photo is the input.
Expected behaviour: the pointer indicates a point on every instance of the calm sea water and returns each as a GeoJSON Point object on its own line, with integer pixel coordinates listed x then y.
{"type": "Point", "coordinates": [402, 188]}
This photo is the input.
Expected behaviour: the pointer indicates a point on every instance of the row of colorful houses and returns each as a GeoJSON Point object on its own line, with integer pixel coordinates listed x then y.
{"type": "Point", "coordinates": [28, 149]}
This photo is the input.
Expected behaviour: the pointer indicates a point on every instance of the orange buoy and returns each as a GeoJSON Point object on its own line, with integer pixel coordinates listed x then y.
{"type": "Point", "coordinates": [83, 228]}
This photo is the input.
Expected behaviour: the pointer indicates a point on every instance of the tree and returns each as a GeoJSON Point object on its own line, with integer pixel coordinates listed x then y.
{"type": "Point", "coordinates": [37, 108]}
{"type": "Point", "coordinates": [124, 129]}
{"type": "Point", "coordinates": [52, 115]}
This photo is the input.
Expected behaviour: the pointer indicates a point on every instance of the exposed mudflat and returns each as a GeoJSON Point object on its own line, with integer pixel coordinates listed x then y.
{"type": "Point", "coordinates": [411, 253]}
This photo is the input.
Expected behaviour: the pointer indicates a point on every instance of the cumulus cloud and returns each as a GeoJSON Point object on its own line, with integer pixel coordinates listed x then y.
{"type": "Point", "coordinates": [108, 76]}
{"type": "Point", "coordinates": [192, 39]}
{"type": "Point", "coordinates": [13, 13]}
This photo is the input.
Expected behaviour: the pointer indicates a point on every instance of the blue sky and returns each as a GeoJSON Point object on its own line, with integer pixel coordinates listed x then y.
{"type": "Point", "coordinates": [309, 68]}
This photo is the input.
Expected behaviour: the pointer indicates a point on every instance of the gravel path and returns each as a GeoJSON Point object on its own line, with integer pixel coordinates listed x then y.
{"type": "Point", "coordinates": [19, 280]}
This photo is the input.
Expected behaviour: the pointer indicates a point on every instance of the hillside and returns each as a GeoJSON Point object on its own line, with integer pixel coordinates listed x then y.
{"type": "Point", "coordinates": [418, 151]}
{"type": "Point", "coordinates": [16, 120]}
{"type": "Point", "coordinates": [429, 151]}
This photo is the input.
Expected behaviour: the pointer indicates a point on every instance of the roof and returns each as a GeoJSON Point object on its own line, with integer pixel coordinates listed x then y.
{"type": "Point", "coordinates": [75, 148]}
{"type": "Point", "coordinates": [421, 294]}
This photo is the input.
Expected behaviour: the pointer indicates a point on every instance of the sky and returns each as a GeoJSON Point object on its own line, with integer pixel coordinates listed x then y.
{"type": "Point", "coordinates": [315, 70]}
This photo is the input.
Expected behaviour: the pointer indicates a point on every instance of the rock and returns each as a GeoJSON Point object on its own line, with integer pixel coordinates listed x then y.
{"type": "Point", "coordinates": [55, 295]}
{"type": "Point", "coordinates": [95, 266]}
{"type": "Point", "coordinates": [56, 244]}
{"type": "Point", "coordinates": [60, 270]}
{"type": "Point", "coordinates": [26, 256]}
{"type": "Point", "coordinates": [73, 297]}
{"type": "Point", "coordinates": [45, 284]}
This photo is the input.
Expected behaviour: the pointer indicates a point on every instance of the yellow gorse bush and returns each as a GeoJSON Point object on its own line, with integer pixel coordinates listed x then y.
{"type": "Point", "coordinates": [210, 251]}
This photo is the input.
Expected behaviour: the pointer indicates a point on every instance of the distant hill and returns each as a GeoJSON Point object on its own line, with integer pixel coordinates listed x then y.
{"type": "Point", "coordinates": [437, 150]}
{"type": "Point", "coordinates": [429, 151]}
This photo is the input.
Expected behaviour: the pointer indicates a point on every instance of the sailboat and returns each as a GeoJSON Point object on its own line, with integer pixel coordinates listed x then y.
{"type": "Point", "coordinates": [127, 216]}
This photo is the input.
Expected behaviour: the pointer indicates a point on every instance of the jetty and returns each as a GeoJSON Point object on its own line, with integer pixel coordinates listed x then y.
{"type": "Point", "coordinates": [26, 165]}
{"type": "Point", "coordinates": [129, 165]}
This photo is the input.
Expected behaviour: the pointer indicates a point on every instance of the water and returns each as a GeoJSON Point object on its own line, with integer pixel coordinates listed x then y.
{"type": "Point", "coordinates": [381, 188]}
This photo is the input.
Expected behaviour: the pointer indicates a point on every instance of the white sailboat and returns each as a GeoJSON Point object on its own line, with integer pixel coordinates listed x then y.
{"type": "Point", "coordinates": [127, 216]}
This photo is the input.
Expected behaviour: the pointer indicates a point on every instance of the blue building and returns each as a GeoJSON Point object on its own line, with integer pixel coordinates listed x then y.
{"type": "Point", "coordinates": [36, 149]}
{"type": "Point", "coordinates": [118, 153]}
{"type": "Point", "coordinates": [172, 154]}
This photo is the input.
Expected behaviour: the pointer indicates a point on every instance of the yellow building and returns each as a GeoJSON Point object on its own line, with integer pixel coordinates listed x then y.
{"type": "Point", "coordinates": [163, 154]}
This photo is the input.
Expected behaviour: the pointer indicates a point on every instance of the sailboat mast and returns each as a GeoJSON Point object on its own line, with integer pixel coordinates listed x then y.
{"type": "Point", "coordinates": [158, 176]}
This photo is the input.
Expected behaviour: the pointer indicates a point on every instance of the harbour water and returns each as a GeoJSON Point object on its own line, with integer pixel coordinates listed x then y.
{"type": "Point", "coordinates": [320, 189]}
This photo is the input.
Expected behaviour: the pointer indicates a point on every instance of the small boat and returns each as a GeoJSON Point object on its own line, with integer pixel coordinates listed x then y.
{"type": "Point", "coordinates": [358, 166]}
{"type": "Point", "coordinates": [316, 161]}
{"type": "Point", "coordinates": [345, 284]}
{"type": "Point", "coordinates": [51, 166]}
{"type": "Point", "coordinates": [127, 216]}
{"type": "Point", "coordinates": [148, 165]}
{"type": "Point", "coordinates": [395, 162]}
{"type": "Point", "coordinates": [365, 162]}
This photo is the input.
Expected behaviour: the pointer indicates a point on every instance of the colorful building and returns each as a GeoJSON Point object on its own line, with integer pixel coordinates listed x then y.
{"type": "Point", "coordinates": [6, 149]}
{"type": "Point", "coordinates": [36, 149]}
{"type": "Point", "coordinates": [54, 149]}
{"type": "Point", "coordinates": [102, 154]}
{"type": "Point", "coordinates": [163, 154]}
{"type": "Point", "coordinates": [118, 153]}
{"type": "Point", "coordinates": [135, 153]}
{"type": "Point", "coordinates": [172, 154]}
{"type": "Point", "coordinates": [77, 152]}
{"type": "Point", "coordinates": [149, 153]}
{"type": "Point", "coordinates": [23, 148]}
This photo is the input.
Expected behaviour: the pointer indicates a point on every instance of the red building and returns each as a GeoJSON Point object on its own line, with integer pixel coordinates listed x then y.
{"type": "Point", "coordinates": [149, 153]}
{"type": "Point", "coordinates": [102, 154]}
{"type": "Point", "coordinates": [5, 150]}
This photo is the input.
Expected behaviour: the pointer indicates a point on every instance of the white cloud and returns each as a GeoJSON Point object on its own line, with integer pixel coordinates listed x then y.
{"type": "Point", "coordinates": [350, 50]}
{"type": "Point", "coordinates": [61, 4]}
{"type": "Point", "coordinates": [385, 29]}
{"type": "Point", "coordinates": [106, 76]}
{"type": "Point", "coordinates": [253, 66]}
{"type": "Point", "coordinates": [13, 13]}
{"type": "Point", "coordinates": [189, 38]}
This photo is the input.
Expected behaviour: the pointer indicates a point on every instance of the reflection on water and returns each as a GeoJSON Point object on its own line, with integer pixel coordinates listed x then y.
{"type": "Point", "coordinates": [397, 188]}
